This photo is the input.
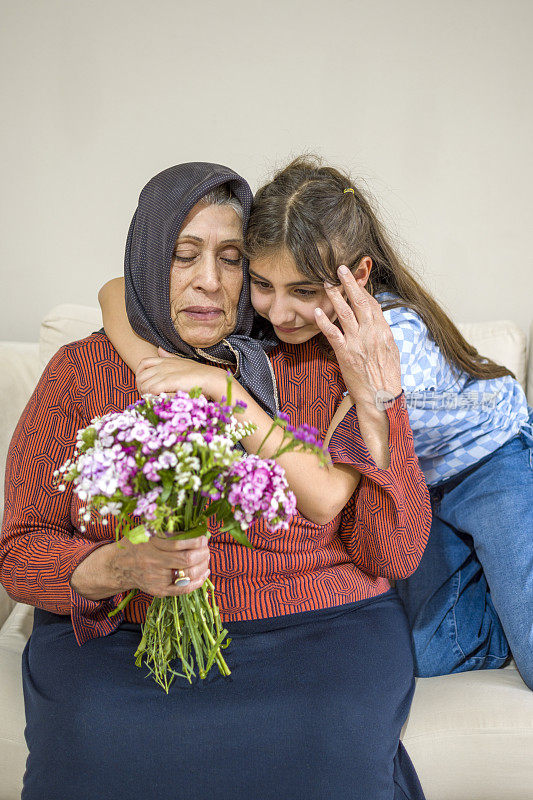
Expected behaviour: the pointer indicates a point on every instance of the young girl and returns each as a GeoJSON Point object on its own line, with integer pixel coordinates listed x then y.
{"type": "Point", "coordinates": [470, 419]}
{"type": "Point", "coordinates": [471, 422]}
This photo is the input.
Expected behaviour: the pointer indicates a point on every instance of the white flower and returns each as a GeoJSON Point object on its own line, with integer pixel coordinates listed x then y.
{"type": "Point", "coordinates": [111, 508]}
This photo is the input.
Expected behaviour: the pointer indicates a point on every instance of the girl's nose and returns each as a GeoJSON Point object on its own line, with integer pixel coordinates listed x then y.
{"type": "Point", "coordinates": [280, 313]}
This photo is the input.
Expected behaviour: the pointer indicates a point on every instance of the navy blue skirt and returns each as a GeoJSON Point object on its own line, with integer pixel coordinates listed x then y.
{"type": "Point", "coordinates": [313, 709]}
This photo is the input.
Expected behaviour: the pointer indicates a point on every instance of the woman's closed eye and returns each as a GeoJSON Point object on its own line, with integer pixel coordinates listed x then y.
{"type": "Point", "coordinates": [233, 259]}
{"type": "Point", "coordinates": [231, 256]}
{"type": "Point", "coordinates": [185, 256]}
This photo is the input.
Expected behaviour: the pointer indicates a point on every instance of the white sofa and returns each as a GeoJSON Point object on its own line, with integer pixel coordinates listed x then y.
{"type": "Point", "coordinates": [470, 735]}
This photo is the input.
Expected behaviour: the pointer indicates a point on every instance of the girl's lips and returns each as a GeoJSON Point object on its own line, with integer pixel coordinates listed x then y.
{"type": "Point", "coordinates": [204, 314]}
{"type": "Point", "coordinates": [286, 330]}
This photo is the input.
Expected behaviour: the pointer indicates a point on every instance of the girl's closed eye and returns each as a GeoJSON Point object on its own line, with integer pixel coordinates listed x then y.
{"type": "Point", "coordinates": [306, 292]}
{"type": "Point", "coordinates": [259, 284]}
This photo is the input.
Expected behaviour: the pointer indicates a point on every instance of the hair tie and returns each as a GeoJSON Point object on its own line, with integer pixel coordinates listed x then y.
{"type": "Point", "coordinates": [349, 190]}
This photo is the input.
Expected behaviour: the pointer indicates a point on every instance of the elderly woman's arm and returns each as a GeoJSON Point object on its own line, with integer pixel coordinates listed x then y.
{"type": "Point", "coordinates": [40, 547]}
{"type": "Point", "coordinates": [45, 560]}
{"type": "Point", "coordinates": [385, 526]}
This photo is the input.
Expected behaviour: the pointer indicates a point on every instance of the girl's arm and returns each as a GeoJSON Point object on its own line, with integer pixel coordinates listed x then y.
{"type": "Point", "coordinates": [130, 347]}
{"type": "Point", "coordinates": [321, 492]}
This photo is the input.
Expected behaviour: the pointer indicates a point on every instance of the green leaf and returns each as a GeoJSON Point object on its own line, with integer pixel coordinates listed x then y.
{"type": "Point", "coordinates": [138, 534]}
{"type": "Point", "coordinates": [217, 507]}
{"type": "Point", "coordinates": [234, 529]}
{"type": "Point", "coordinates": [89, 437]}
{"type": "Point", "coordinates": [168, 484]}
{"type": "Point", "coordinates": [193, 533]}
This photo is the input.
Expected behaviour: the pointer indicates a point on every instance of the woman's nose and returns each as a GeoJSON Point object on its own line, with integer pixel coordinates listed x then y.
{"type": "Point", "coordinates": [207, 275]}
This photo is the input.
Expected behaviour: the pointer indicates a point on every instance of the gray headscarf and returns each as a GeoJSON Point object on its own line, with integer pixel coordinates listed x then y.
{"type": "Point", "coordinates": [163, 206]}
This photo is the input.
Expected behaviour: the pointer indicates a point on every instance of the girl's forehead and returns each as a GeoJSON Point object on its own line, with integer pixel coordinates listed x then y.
{"type": "Point", "coordinates": [280, 261]}
{"type": "Point", "coordinates": [279, 267]}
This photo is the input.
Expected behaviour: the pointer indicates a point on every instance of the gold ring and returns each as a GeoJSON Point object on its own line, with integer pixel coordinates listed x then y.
{"type": "Point", "coordinates": [179, 578]}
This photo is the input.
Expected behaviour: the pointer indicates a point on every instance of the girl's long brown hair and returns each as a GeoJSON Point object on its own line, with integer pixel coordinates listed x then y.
{"type": "Point", "coordinates": [306, 209]}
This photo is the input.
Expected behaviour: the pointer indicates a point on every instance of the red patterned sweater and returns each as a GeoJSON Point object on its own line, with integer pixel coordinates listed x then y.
{"type": "Point", "coordinates": [380, 535]}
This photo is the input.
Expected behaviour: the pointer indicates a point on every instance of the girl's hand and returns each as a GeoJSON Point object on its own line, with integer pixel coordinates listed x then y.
{"type": "Point", "coordinates": [174, 373]}
{"type": "Point", "coordinates": [365, 348]}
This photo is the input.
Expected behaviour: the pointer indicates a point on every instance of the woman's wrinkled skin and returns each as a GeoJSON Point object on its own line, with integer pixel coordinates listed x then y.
{"type": "Point", "coordinates": [206, 275]}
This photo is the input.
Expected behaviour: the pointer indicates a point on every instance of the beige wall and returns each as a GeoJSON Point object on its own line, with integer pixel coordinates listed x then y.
{"type": "Point", "coordinates": [428, 102]}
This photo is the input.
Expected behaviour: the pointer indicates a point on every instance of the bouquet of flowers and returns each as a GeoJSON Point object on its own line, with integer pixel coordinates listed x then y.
{"type": "Point", "coordinates": [164, 467]}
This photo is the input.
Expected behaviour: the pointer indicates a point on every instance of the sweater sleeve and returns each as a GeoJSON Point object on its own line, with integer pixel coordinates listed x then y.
{"type": "Point", "coordinates": [40, 547]}
{"type": "Point", "coordinates": [385, 525]}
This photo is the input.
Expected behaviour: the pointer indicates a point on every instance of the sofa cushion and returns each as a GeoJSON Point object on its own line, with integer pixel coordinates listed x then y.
{"type": "Point", "coordinates": [66, 323]}
{"type": "Point", "coordinates": [470, 736]}
{"type": "Point", "coordinates": [502, 341]}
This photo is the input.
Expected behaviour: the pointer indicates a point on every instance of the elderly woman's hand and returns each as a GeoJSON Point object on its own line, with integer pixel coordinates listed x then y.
{"type": "Point", "coordinates": [148, 566]}
{"type": "Point", "coordinates": [175, 373]}
{"type": "Point", "coordinates": [365, 348]}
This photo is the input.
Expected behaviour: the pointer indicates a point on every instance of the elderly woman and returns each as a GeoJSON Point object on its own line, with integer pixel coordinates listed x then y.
{"type": "Point", "coordinates": [322, 672]}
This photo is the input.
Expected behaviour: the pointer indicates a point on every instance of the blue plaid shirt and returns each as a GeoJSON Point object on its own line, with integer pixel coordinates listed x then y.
{"type": "Point", "coordinates": [456, 421]}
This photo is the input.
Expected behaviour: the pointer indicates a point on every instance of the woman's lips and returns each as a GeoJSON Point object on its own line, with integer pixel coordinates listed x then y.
{"type": "Point", "coordinates": [203, 313]}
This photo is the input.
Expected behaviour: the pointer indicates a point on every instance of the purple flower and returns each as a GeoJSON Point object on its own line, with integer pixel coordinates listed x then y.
{"type": "Point", "coordinates": [258, 488]}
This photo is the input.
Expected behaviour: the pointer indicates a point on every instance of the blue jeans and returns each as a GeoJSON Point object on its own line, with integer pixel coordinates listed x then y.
{"type": "Point", "coordinates": [471, 598]}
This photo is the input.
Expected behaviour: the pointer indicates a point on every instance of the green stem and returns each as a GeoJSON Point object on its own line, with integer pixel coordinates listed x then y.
{"type": "Point", "coordinates": [214, 618]}
{"type": "Point", "coordinates": [123, 603]}
{"type": "Point", "coordinates": [216, 613]}
{"type": "Point", "coordinates": [273, 427]}
{"type": "Point", "coordinates": [207, 603]}
{"type": "Point", "coordinates": [193, 632]}
{"type": "Point", "coordinates": [229, 390]}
